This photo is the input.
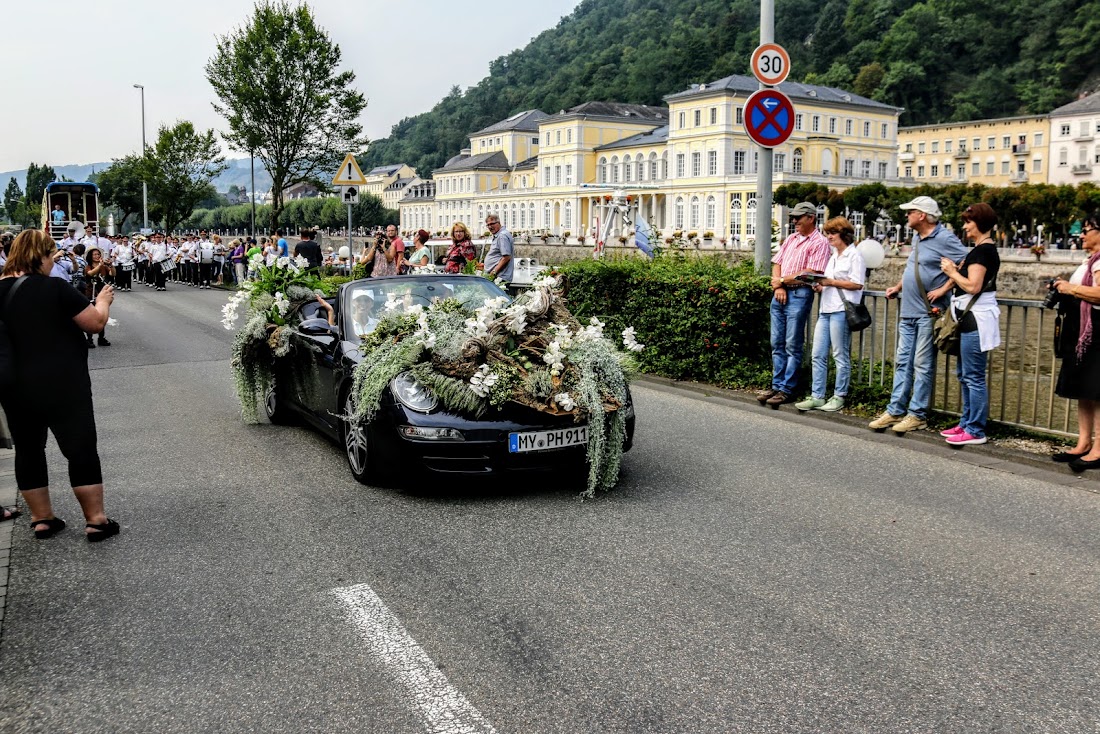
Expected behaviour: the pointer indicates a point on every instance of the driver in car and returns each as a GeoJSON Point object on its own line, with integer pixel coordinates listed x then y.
{"type": "Point", "coordinates": [363, 316]}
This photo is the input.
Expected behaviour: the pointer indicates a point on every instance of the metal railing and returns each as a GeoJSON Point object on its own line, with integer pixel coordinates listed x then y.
{"type": "Point", "coordinates": [1022, 372]}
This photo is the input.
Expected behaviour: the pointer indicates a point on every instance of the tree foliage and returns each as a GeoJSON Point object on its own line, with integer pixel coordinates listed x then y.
{"type": "Point", "coordinates": [278, 89]}
{"type": "Point", "coordinates": [120, 186]}
{"type": "Point", "coordinates": [939, 59]}
{"type": "Point", "coordinates": [326, 213]}
{"type": "Point", "coordinates": [13, 195]}
{"type": "Point", "coordinates": [180, 168]}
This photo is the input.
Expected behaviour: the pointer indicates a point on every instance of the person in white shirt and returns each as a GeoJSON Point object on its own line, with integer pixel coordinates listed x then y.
{"type": "Point", "coordinates": [843, 279]}
{"type": "Point", "coordinates": [124, 265]}
{"type": "Point", "coordinates": [158, 255]}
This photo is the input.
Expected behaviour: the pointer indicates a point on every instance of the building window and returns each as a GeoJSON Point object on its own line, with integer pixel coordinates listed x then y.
{"type": "Point", "coordinates": [679, 165]}
{"type": "Point", "coordinates": [920, 148]}
{"type": "Point", "coordinates": [816, 123]}
{"type": "Point", "coordinates": [735, 217]}
{"type": "Point", "coordinates": [990, 143]}
{"type": "Point", "coordinates": [712, 163]}
{"type": "Point", "coordinates": [569, 136]}
{"type": "Point", "coordinates": [947, 170]}
{"type": "Point", "coordinates": [1037, 165]}
{"type": "Point", "coordinates": [909, 172]}
{"type": "Point", "coordinates": [741, 116]}
{"type": "Point", "coordinates": [866, 169]}
{"type": "Point", "coordinates": [975, 169]}
{"type": "Point", "coordinates": [990, 168]}
{"type": "Point", "coordinates": [849, 167]}
{"type": "Point", "coordinates": [557, 175]}
{"type": "Point", "coordinates": [698, 118]}
{"type": "Point", "coordinates": [523, 216]}
{"type": "Point", "coordinates": [885, 131]}
{"type": "Point", "coordinates": [797, 120]}
{"type": "Point", "coordinates": [755, 161]}
{"type": "Point", "coordinates": [882, 169]}
{"type": "Point", "coordinates": [948, 146]}
{"type": "Point", "coordinates": [534, 141]}
{"type": "Point", "coordinates": [935, 170]}
{"type": "Point", "coordinates": [1065, 130]}
{"type": "Point", "coordinates": [750, 216]}
{"type": "Point", "coordinates": [848, 126]}
{"type": "Point", "coordinates": [1006, 142]}
{"type": "Point", "coordinates": [679, 221]}
{"type": "Point", "coordinates": [548, 137]}
{"type": "Point", "coordinates": [866, 129]}
{"type": "Point", "coordinates": [569, 174]}
{"type": "Point", "coordinates": [1038, 139]}
{"type": "Point", "coordinates": [546, 215]}
{"type": "Point", "coordinates": [780, 162]}
{"type": "Point", "coordinates": [696, 165]}
{"type": "Point", "coordinates": [796, 161]}
{"type": "Point", "coordinates": [567, 220]}
{"type": "Point", "coordinates": [683, 118]}
{"type": "Point", "coordinates": [601, 171]}
{"type": "Point", "coordinates": [664, 166]}
{"type": "Point", "coordinates": [557, 137]}
{"type": "Point", "coordinates": [712, 212]}
{"type": "Point", "coordinates": [713, 115]}
{"type": "Point", "coordinates": [628, 170]}
{"type": "Point", "coordinates": [546, 176]}
{"type": "Point", "coordinates": [694, 212]}
{"type": "Point", "coordinates": [935, 146]}
{"type": "Point", "coordinates": [652, 166]}
{"type": "Point", "coordinates": [614, 169]}
{"type": "Point", "coordinates": [738, 163]}
{"type": "Point", "coordinates": [976, 144]}
{"type": "Point", "coordinates": [832, 126]}
{"type": "Point", "coordinates": [920, 171]}
{"type": "Point", "coordinates": [1004, 167]}
{"type": "Point", "coordinates": [1063, 157]}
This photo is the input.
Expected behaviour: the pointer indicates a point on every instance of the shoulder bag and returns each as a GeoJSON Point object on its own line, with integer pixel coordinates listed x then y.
{"type": "Point", "coordinates": [7, 354]}
{"type": "Point", "coordinates": [856, 314]}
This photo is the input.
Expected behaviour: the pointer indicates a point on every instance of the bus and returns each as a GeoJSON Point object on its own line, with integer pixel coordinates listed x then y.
{"type": "Point", "coordinates": [79, 203]}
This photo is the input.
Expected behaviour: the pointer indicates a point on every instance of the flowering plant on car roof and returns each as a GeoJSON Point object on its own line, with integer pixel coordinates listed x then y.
{"type": "Point", "coordinates": [530, 351]}
{"type": "Point", "coordinates": [280, 283]}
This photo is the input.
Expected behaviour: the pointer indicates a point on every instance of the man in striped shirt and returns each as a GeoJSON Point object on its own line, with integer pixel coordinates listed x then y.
{"type": "Point", "coordinates": [806, 250]}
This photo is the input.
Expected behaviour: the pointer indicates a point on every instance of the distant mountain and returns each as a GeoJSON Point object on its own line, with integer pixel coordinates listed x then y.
{"type": "Point", "coordinates": [238, 174]}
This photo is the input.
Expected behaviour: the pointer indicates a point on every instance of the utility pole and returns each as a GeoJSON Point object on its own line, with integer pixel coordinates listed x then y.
{"type": "Point", "coordinates": [764, 170]}
{"type": "Point", "coordinates": [144, 184]}
{"type": "Point", "coordinates": [252, 196]}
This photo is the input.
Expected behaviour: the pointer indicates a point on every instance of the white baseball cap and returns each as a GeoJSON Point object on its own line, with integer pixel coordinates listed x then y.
{"type": "Point", "coordinates": [924, 204]}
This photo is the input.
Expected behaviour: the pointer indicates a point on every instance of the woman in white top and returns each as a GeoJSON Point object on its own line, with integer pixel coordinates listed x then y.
{"type": "Point", "coordinates": [843, 278]}
{"type": "Point", "coordinates": [1079, 378]}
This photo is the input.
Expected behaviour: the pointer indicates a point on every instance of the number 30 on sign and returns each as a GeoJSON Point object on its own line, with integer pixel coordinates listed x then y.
{"type": "Point", "coordinates": [771, 64]}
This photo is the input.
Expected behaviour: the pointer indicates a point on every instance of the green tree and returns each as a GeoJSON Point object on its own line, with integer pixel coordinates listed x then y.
{"type": "Point", "coordinates": [37, 179]}
{"type": "Point", "coordinates": [180, 168]}
{"type": "Point", "coordinates": [120, 186]}
{"type": "Point", "coordinates": [280, 93]}
{"type": "Point", "coordinates": [13, 195]}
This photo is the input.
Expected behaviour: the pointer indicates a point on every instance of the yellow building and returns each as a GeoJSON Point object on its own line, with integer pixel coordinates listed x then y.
{"type": "Point", "coordinates": [1000, 152]}
{"type": "Point", "coordinates": [381, 177]}
{"type": "Point", "coordinates": [418, 207]}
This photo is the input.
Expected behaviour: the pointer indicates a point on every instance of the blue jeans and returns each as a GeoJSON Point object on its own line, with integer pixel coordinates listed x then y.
{"type": "Point", "coordinates": [972, 383]}
{"type": "Point", "coordinates": [788, 336]}
{"type": "Point", "coordinates": [914, 368]}
{"type": "Point", "coordinates": [832, 331]}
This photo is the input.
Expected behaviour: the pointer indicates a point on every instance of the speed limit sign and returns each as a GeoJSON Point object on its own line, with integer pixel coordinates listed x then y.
{"type": "Point", "coordinates": [771, 64]}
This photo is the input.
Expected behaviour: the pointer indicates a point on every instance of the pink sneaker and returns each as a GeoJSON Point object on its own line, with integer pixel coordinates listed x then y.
{"type": "Point", "coordinates": [952, 432]}
{"type": "Point", "coordinates": [964, 439]}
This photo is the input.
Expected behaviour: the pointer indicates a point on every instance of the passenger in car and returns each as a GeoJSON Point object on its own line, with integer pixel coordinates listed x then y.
{"type": "Point", "coordinates": [330, 313]}
{"type": "Point", "coordinates": [363, 316]}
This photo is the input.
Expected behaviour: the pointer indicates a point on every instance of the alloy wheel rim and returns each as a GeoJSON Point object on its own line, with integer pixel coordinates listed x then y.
{"type": "Point", "coordinates": [355, 438]}
{"type": "Point", "coordinates": [270, 402]}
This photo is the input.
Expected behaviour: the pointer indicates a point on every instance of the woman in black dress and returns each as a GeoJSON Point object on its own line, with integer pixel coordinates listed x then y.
{"type": "Point", "coordinates": [46, 319]}
{"type": "Point", "coordinates": [1078, 346]}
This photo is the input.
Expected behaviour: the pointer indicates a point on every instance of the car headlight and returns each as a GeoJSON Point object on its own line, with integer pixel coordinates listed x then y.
{"type": "Point", "coordinates": [410, 393]}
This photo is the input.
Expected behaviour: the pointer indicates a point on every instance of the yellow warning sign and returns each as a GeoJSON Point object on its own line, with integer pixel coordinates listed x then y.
{"type": "Point", "coordinates": [349, 173]}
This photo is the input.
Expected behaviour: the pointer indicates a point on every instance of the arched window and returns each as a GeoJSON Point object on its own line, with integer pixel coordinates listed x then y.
{"type": "Point", "coordinates": [653, 167]}
{"type": "Point", "coordinates": [679, 212]}
{"type": "Point", "coordinates": [664, 165]}
{"type": "Point", "coordinates": [523, 216]}
{"type": "Point", "coordinates": [750, 218]}
{"type": "Point", "coordinates": [614, 169]}
{"type": "Point", "coordinates": [628, 169]}
{"type": "Point", "coordinates": [546, 215]}
{"type": "Point", "coordinates": [601, 171]}
{"type": "Point", "coordinates": [567, 219]}
{"type": "Point", "coordinates": [735, 217]}
{"type": "Point", "coordinates": [712, 212]}
{"type": "Point", "coordinates": [531, 206]}
{"type": "Point", "coordinates": [480, 213]}
{"type": "Point", "coordinates": [694, 211]}
{"type": "Point", "coordinates": [796, 161]}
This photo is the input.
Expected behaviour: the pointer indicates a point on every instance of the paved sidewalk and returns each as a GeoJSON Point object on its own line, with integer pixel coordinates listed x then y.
{"type": "Point", "coordinates": [7, 499]}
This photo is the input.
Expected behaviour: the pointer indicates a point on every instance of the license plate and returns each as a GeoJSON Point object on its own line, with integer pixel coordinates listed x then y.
{"type": "Point", "coordinates": [521, 442]}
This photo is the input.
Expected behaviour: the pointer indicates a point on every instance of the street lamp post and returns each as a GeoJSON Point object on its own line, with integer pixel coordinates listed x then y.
{"type": "Point", "coordinates": [144, 184]}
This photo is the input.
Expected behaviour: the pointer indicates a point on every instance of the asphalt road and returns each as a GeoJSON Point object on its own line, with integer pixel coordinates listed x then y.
{"type": "Point", "coordinates": [749, 574]}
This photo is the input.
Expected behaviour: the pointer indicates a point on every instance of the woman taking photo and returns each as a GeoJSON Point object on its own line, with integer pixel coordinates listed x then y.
{"type": "Point", "coordinates": [461, 250]}
{"type": "Point", "coordinates": [421, 256]}
{"type": "Point", "coordinates": [46, 320]}
{"type": "Point", "coordinates": [382, 255]}
{"type": "Point", "coordinates": [843, 279]}
{"type": "Point", "coordinates": [96, 270]}
{"type": "Point", "coordinates": [975, 281]}
{"type": "Point", "coordinates": [1079, 378]}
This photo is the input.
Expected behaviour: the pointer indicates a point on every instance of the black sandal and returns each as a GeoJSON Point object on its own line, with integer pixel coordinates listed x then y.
{"type": "Point", "coordinates": [54, 525]}
{"type": "Point", "coordinates": [10, 513]}
{"type": "Point", "coordinates": [103, 531]}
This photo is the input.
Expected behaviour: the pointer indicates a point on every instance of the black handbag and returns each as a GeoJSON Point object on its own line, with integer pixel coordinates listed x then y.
{"type": "Point", "coordinates": [856, 314]}
{"type": "Point", "coordinates": [7, 354]}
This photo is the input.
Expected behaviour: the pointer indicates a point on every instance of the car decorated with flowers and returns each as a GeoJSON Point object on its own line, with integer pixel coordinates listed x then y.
{"type": "Point", "coordinates": [438, 373]}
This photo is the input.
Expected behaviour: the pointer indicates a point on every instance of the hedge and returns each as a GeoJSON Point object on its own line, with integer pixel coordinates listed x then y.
{"type": "Point", "coordinates": [700, 318]}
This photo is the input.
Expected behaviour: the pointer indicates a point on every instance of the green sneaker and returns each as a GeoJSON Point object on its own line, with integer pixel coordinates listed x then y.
{"type": "Point", "coordinates": [809, 404]}
{"type": "Point", "coordinates": [834, 404]}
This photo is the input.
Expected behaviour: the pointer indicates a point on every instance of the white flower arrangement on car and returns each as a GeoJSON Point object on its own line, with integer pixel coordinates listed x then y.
{"type": "Point", "coordinates": [530, 352]}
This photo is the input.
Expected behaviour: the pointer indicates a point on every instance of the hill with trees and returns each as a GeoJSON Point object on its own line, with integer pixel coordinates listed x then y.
{"type": "Point", "coordinates": [942, 60]}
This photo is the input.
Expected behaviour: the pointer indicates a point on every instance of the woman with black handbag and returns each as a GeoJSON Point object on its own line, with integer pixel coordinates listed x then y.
{"type": "Point", "coordinates": [842, 281]}
{"type": "Point", "coordinates": [974, 308]}
{"type": "Point", "coordinates": [1079, 378]}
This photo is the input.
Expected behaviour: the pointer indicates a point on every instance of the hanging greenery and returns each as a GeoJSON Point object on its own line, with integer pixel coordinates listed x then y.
{"type": "Point", "coordinates": [531, 352]}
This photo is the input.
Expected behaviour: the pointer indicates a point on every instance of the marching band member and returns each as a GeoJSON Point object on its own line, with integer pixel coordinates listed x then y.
{"type": "Point", "coordinates": [124, 265]}
{"type": "Point", "coordinates": [71, 240]}
{"type": "Point", "coordinates": [141, 258]}
{"type": "Point", "coordinates": [159, 261]}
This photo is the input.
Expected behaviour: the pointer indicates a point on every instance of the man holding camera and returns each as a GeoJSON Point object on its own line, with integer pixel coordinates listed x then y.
{"type": "Point", "coordinates": [915, 360]}
{"type": "Point", "coordinates": [806, 250]}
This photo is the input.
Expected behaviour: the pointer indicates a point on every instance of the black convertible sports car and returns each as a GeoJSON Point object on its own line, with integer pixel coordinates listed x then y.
{"type": "Point", "coordinates": [411, 429]}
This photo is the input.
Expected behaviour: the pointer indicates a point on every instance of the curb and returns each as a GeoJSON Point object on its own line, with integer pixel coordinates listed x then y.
{"type": "Point", "coordinates": [987, 456]}
{"type": "Point", "coordinates": [8, 496]}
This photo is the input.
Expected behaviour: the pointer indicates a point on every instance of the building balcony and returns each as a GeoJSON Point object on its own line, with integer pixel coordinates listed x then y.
{"type": "Point", "coordinates": [1020, 149]}
{"type": "Point", "coordinates": [907, 156]}
{"type": "Point", "coordinates": [1086, 138]}
{"type": "Point", "coordinates": [962, 153]}
{"type": "Point", "coordinates": [1082, 169]}
{"type": "Point", "coordinates": [1019, 177]}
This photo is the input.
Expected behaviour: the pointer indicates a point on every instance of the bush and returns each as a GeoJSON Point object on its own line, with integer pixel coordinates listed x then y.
{"type": "Point", "coordinates": [700, 319]}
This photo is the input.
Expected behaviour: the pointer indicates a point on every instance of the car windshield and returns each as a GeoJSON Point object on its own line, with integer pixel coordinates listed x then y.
{"type": "Point", "coordinates": [366, 300]}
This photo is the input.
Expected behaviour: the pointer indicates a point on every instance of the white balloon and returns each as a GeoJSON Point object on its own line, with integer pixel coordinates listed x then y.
{"type": "Point", "coordinates": [345, 251]}
{"type": "Point", "coordinates": [872, 252]}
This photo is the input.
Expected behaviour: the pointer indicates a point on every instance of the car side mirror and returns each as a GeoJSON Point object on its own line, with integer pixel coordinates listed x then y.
{"type": "Point", "coordinates": [317, 327]}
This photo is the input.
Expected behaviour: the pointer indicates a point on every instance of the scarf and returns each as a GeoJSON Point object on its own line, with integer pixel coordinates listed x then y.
{"type": "Point", "coordinates": [1084, 337]}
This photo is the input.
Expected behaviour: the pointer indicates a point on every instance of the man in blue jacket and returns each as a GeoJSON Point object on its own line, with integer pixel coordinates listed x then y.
{"type": "Point", "coordinates": [915, 361]}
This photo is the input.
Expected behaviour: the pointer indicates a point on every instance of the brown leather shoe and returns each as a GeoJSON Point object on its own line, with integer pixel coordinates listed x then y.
{"type": "Point", "coordinates": [778, 399]}
{"type": "Point", "coordinates": [764, 395]}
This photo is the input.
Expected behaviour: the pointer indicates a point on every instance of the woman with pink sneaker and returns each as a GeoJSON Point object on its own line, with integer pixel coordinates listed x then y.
{"type": "Point", "coordinates": [974, 301]}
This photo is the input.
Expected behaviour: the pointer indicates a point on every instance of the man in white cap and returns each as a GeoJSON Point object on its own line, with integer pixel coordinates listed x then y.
{"type": "Point", "coordinates": [923, 287]}
{"type": "Point", "coordinates": [806, 250]}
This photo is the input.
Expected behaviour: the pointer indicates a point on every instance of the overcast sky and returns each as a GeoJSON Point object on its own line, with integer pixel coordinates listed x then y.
{"type": "Point", "coordinates": [73, 101]}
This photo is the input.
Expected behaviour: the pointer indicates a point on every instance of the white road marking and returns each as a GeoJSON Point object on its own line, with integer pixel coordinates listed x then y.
{"type": "Point", "coordinates": [441, 708]}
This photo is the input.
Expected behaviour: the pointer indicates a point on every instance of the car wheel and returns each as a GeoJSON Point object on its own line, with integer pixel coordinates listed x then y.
{"type": "Point", "coordinates": [276, 408]}
{"type": "Point", "coordinates": [356, 442]}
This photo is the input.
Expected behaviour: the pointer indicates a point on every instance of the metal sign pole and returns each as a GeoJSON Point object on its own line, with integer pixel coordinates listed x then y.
{"type": "Point", "coordinates": [764, 171]}
{"type": "Point", "coordinates": [349, 230]}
